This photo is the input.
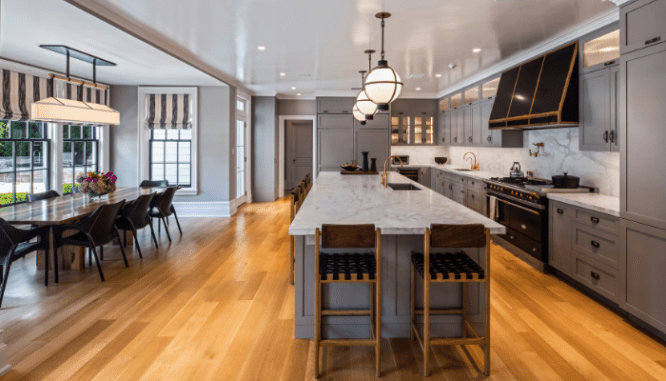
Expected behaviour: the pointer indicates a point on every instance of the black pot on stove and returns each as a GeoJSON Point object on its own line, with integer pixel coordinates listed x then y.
{"type": "Point", "coordinates": [565, 181]}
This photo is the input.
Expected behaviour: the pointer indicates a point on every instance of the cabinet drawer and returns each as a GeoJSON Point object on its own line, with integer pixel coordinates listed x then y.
{"type": "Point", "coordinates": [336, 121]}
{"type": "Point", "coordinates": [335, 105]}
{"type": "Point", "coordinates": [475, 184]}
{"type": "Point", "coordinates": [474, 200]}
{"type": "Point", "coordinates": [524, 243]}
{"type": "Point", "coordinates": [642, 24]}
{"type": "Point", "coordinates": [596, 276]}
{"type": "Point", "coordinates": [600, 221]}
{"type": "Point", "coordinates": [596, 244]}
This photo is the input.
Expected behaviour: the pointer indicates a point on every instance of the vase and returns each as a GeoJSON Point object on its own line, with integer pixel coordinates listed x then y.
{"type": "Point", "coordinates": [364, 166]}
{"type": "Point", "coordinates": [373, 165]}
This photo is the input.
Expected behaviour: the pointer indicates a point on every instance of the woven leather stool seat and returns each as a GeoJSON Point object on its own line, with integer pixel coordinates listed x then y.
{"type": "Point", "coordinates": [449, 266]}
{"type": "Point", "coordinates": [351, 266]}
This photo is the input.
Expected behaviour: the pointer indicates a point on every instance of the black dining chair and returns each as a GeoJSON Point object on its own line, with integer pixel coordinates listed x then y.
{"type": "Point", "coordinates": [162, 208]}
{"type": "Point", "coordinates": [97, 229]}
{"type": "Point", "coordinates": [14, 245]}
{"type": "Point", "coordinates": [32, 197]}
{"type": "Point", "coordinates": [154, 184]}
{"type": "Point", "coordinates": [134, 216]}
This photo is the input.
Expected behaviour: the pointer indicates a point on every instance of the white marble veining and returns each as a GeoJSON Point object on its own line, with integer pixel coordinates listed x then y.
{"type": "Point", "coordinates": [593, 201]}
{"type": "Point", "coordinates": [600, 170]}
{"type": "Point", "coordinates": [361, 199]}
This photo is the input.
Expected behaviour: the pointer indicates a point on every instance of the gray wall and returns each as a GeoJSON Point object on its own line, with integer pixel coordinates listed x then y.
{"type": "Point", "coordinates": [265, 120]}
{"type": "Point", "coordinates": [217, 113]}
{"type": "Point", "coordinates": [298, 107]}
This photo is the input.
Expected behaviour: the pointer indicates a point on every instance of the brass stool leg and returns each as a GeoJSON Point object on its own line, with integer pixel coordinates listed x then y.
{"type": "Point", "coordinates": [464, 309]}
{"type": "Point", "coordinates": [413, 303]}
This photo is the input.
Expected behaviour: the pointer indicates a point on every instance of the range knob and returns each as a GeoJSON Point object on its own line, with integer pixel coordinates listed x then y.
{"type": "Point", "coordinates": [530, 198]}
{"type": "Point", "coordinates": [512, 192]}
{"type": "Point", "coordinates": [520, 195]}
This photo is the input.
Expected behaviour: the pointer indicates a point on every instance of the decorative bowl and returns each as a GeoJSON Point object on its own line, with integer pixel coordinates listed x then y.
{"type": "Point", "coordinates": [441, 160]}
{"type": "Point", "coordinates": [349, 167]}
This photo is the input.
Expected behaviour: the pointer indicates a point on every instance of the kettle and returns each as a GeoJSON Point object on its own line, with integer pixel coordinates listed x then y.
{"type": "Point", "coordinates": [515, 170]}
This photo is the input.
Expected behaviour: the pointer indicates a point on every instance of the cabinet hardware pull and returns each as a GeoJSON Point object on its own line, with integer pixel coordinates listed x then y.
{"type": "Point", "coordinates": [595, 244]}
{"type": "Point", "coordinates": [489, 138]}
{"type": "Point", "coordinates": [594, 219]}
{"type": "Point", "coordinates": [609, 63]}
{"type": "Point", "coordinates": [455, 140]}
{"type": "Point", "coordinates": [560, 211]}
{"type": "Point", "coordinates": [648, 42]}
{"type": "Point", "coordinates": [594, 275]}
{"type": "Point", "coordinates": [534, 250]}
{"type": "Point", "coordinates": [470, 139]}
{"type": "Point", "coordinates": [345, 111]}
{"type": "Point", "coordinates": [400, 113]}
{"type": "Point", "coordinates": [606, 136]}
{"type": "Point", "coordinates": [326, 111]}
{"type": "Point", "coordinates": [512, 237]}
{"type": "Point", "coordinates": [612, 136]}
{"type": "Point", "coordinates": [423, 112]}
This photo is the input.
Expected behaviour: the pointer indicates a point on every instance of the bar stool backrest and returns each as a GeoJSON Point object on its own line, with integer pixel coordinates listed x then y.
{"type": "Point", "coordinates": [457, 236]}
{"type": "Point", "coordinates": [154, 184]}
{"type": "Point", "coordinates": [295, 204]}
{"type": "Point", "coordinates": [348, 236]}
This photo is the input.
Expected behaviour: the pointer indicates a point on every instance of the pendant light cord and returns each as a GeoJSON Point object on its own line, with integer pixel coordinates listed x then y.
{"type": "Point", "coordinates": [369, 62]}
{"type": "Point", "coordinates": [382, 39]}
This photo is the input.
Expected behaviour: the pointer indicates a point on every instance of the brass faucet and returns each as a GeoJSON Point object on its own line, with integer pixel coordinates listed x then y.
{"type": "Point", "coordinates": [475, 167]}
{"type": "Point", "coordinates": [385, 174]}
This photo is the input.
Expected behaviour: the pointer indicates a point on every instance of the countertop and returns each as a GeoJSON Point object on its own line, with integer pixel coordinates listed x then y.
{"type": "Point", "coordinates": [481, 175]}
{"type": "Point", "coordinates": [593, 201]}
{"type": "Point", "coordinates": [361, 199]}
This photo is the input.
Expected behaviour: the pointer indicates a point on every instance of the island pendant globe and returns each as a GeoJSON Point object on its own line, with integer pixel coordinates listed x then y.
{"type": "Point", "coordinates": [365, 105]}
{"type": "Point", "coordinates": [382, 85]}
{"type": "Point", "coordinates": [358, 115]}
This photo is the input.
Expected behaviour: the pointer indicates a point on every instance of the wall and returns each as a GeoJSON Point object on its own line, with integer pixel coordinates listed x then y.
{"type": "Point", "coordinates": [265, 120]}
{"type": "Point", "coordinates": [124, 159]}
{"type": "Point", "coordinates": [420, 155]}
{"type": "Point", "coordinates": [297, 107]}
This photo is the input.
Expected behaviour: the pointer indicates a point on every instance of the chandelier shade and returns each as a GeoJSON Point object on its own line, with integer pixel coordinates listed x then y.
{"type": "Point", "coordinates": [358, 115]}
{"type": "Point", "coordinates": [365, 105]}
{"type": "Point", "coordinates": [382, 85]}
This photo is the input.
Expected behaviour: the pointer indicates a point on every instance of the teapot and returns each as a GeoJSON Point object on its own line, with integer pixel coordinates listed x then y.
{"type": "Point", "coordinates": [515, 170]}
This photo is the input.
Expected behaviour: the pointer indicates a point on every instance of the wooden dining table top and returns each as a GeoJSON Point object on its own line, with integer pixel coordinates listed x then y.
{"type": "Point", "coordinates": [67, 208]}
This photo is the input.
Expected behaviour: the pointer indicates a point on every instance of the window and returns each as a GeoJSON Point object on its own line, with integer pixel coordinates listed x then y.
{"type": "Point", "coordinates": [24, 160]}
{"type": "Point", "coordinates": [171, 156]}
{"type": "Point", "coordinates": [79, 154]}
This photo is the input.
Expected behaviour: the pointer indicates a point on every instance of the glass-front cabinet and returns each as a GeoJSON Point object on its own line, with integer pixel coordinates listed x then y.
{"type": "Point", "coordinates": [400, 130]}
{"type": "Point", "coordinates": [413, 121]}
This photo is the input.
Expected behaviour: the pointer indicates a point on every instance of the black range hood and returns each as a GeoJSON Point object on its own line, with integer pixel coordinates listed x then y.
{"type": "Point", "coordinates": [538, 93]}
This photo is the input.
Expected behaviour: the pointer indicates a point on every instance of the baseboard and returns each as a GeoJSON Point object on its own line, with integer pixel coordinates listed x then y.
{"type": "Point", "coordinates": [4, 357]}
{"type": "Point", "coordinates": [205, 208]}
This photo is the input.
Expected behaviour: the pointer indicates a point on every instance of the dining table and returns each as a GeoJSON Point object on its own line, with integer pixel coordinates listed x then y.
{"type": "Point", "coordinates": [65, 210]}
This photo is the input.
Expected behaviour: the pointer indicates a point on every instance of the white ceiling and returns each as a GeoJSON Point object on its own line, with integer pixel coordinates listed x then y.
{"type": "Point", "coordinates": [25, 24]}
{"type": "Point", "coordinates": [319, 44]}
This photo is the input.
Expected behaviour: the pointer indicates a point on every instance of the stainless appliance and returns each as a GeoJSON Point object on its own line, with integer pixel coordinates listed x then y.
{"type": "Point", "coordinates": [522, 206]}
{"type": "Point", "coordinates": [515, 170]}
{"type": "Point", "coordinates": [410, 173]}
{"type": "Point", "coordinates": [405, 160]}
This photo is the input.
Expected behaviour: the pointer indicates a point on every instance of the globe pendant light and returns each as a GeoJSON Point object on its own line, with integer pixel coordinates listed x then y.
{"type": "Point", "coordinates": [365, 105]}
{"type": "Point", "coordinates": [382, 85]}
{"type": "Point", "coordinates": [358, 115]}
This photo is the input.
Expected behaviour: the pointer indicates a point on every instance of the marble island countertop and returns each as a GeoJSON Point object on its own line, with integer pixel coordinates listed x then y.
{"type": "Point", "coordinates": [593, 201]}
{"type": "Point", "coordinates": [361, 199]}
{"type": "Point", "coordinates": [480, 175]}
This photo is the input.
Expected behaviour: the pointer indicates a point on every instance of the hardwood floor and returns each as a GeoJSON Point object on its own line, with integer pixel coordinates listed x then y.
{"type": "Point", "coordinates": [216, 305]}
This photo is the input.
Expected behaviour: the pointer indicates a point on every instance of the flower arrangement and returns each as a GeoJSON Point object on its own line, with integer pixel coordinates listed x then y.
{"type": "Point", "coordinates": [97, 184]}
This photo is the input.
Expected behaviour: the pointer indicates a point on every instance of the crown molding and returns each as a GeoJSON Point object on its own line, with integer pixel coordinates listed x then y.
{"type": "Point", "coordinates": [264, 94]}
{"type": "Point", "coordinates": [620, 3]}
{"type": "Point", "coordinates": [538, 50]}
{"type": "Point", "coordinates": [296, 97]}
{"type": "Point", "coordinates": [155, 40]}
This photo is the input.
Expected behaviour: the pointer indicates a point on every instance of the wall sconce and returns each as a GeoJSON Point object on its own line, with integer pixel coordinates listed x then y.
{"type": "Point", "coordinates": [536, 153]}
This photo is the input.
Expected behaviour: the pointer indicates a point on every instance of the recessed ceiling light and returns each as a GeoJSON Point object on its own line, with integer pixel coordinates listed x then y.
{"type": "Point", "coordinates": [476, 50]}
{"type": "Point", "coordinates": [299, 94]}
{"type": "Point", "coordinates": [418, 89]}
{"type": "Point", "coordinates": [452, 66]}
{"type": "Point", "coordinates": [283, 74]}
{"type": "Point", "coordinates": [293, 88]}
{"type": "Point", "coordinates": [438, 75]}
{"type": "Point", "coordinates": [262, 48]}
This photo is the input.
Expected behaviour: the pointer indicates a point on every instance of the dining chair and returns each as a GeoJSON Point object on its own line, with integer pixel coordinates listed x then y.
{"type": "Point", "coordinates": [32, 197]}
{"type": "Point", "coordinates": [154, 184]}
{"type": "Point", "coordinates": [162, 208]}
{"type": "Point", "coordinates": [134, 216]}
{"type": "Point", "coordinates": [97, 229]}
{"type": "Point", "coordinates": [14, 244]}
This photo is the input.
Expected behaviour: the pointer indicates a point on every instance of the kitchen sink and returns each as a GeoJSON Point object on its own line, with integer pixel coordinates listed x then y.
{"type": "Point", "coordinates": [404, 187]}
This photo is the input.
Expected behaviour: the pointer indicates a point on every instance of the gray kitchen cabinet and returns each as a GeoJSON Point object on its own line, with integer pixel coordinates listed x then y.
{"type": "Point", "coordinates": [375, 141]}
{"type": "Point", "coordinates": [643, 270]}
{"type": "Point", "coordinates": [475, 200]}
{"type": "Point", "coordinates": [447, 185]}
{"type": "Point", "coordinates": [424, 107]}
{"type": "Point", "coordinates": [378, 121]}
{"type": "Point", "coordinates": [424, 176]}
{"type": "Point", "coordinates": [335, 121]}
{"type": "Point", "coordinates": [599, 49]}
{"type": "Point", "coordinates": [595, 113]}
{"type": "Point", "coordinates": [414, 122]}
{"type": "Point", "coordinates": [455, 138]}
{"type": "Point", "coordinates": [614, 135]}
{"type": "Point", "coordinates": [643, 174]}
{"type": "Point", "coordinates": [600, 246]}
{"type": "Point", "coordinates": [458, 192]}
{"type": "Point", "coordinates": [489, 138]}
{"type": "Point", "coordinates": [335, 105]}
{"type": "Point", "coordinates": [642, 25]}
{"type": "Point", "coordinates": [597, 277]}
{"type": "Point", "coordinates": [560, 255]}
{"type": "Point", "coordinates": [444, 121]}
{"type": "Point", "coordinates": [336, 146]}
{"type": "Point", "coordinates": [465, 125]}
{"type": "Point", "coordinates": [476, 126]}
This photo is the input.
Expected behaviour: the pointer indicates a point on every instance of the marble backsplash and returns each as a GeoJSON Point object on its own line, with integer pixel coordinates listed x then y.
{"type": "Point", "coordinates": [600, 170]}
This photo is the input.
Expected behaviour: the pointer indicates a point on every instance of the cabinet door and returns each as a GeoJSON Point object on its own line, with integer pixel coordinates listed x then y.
{"type": "Point", "coordinates": [336, 146]}
{"type": "Point", "coordinates": [374, 141]}
{"type": "Point", "coordinates": [474, 200]}
{"type": "Point", "coordinates": [489, 138]}
{"type": "Point", "coordinates": [465, 126]}
{"type": "Point", "coordinates": [424, 177]}
{"type": "Point", "coordinates": [614, 103]}
{"type": "Point", "coordinates": [335, 105]}
{"type": "Point", "coordinates": [643, 174]}
{"type": "Point", "coordinates": [445, 128]}
{"type": "Point", "coordinates": [335, 121]}
{"type": "Point", "coordinates": [458, 193]}
{"type": "Point", "coordinates": [454, 126]}
{"type": "Point", "coordinates": [474, 135]}
{"type": "Point", "coordinates": [401, 107]}
{"type": "Point", "coordinates": [560, 253]}
{"type": "Point", "coordinates": [448, 188]}
{"type": "Point", "coordinates": [643, 268]}
{"type": "Point", "coordinates": [595, 98]}
{"type": "Point", "coordinates": [378, 121]}
{"type": "Point", "coordinates": [642, 25]}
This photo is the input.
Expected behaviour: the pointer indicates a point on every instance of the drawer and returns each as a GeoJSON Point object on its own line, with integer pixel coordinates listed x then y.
{"type": "Point", "coordinates": [642, 24]}
{"type": "Point", "coordinates": [600, 221]}
{"type": "Point", "coordinates": [596, 277]}
{"type": "Point", "coordinates": [476, 184]}
{"type": "Point", "coordinates": [336, 121]}
{"type": "Point", "coordinates": [335, 105]}
{"type": "Point", "coordinates": [601, 246]}
{"type": "Point", "coordinates": [474, 201]}
{"type": "Point", "coordinates": [524, 243]}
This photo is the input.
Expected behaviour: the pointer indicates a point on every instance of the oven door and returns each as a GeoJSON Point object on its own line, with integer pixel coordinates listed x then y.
{"type": "Point", "coordinates": [522, 219]}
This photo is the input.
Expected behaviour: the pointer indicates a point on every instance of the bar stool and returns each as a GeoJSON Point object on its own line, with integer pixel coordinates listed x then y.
{"type": "Point", "coordinates": [293, 209]}
{"type": "Point", "coordinates": [452, 268]}
{"type": "Point", "coordinates": [349, 268]}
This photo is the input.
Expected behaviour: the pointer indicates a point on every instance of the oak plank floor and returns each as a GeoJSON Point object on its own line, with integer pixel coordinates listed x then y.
{"type": "Point", "coordinates": [216, 305]}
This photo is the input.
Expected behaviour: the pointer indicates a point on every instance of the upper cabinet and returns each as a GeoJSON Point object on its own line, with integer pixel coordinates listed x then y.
{"type": "Point", "coordinates": [335, 105]}
{"type": "Point", "coordinates": [489, 89]}
{"type": "Point", "coordinates": [642, 24]}
{"type": "Point", "coordinates": [599, 50]}
{"type": "Point", "coordinates": [413, 121]}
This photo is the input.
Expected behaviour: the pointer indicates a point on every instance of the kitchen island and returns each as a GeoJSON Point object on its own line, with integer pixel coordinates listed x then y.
{"type": "Point", "coordinates": [402, 215]}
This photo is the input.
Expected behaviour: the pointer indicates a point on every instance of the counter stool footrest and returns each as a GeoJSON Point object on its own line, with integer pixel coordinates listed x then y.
{"type": "Point", "coordinates": [457, 341]}
{"type": "Point", "coordinates": [470, 329]}
{"type": "Point", "coordinates": [441, 312]}
{"type": "Point", "coordinates": [348, 343]}
{"type": "Point", "coordinates": [346, 312]}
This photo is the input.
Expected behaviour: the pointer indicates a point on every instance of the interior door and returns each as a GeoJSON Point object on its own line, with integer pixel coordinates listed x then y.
{"type": "Point", "coordinates": [299, 152]}
{"type": "Point", "coordinates": [241, 162]}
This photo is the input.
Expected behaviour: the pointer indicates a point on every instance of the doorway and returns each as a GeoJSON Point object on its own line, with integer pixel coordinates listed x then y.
{"type": "Point", "coordinates": [298, 152]}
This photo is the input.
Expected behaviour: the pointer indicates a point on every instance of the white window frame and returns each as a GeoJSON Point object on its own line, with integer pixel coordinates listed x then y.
{"type": "Point", "coordinates": [143, 134]}
{"type": "Point", "coordinates": [247, 115]}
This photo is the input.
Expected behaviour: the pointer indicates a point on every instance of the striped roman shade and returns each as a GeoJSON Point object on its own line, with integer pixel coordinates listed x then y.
{"type": "Point", "coordinates": [169, 111]}
{"type": "Point", "coordinates": [20, 91]}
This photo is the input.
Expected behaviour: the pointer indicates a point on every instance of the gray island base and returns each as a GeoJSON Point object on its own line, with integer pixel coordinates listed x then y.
{"type": "Point", "coordinates": [402, 216]}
